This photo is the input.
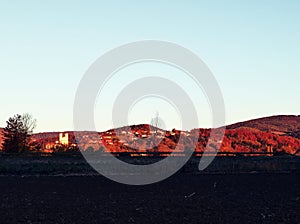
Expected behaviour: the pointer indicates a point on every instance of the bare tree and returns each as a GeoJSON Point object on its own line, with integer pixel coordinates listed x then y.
{"type": "Point", "coordinates": [155, 122]}
{"type": "Point", "coordinates": [29, 123]}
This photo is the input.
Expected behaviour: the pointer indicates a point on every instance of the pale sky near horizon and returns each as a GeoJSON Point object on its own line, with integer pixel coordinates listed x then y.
{"type": "Point", "coordinates": [252, 48]}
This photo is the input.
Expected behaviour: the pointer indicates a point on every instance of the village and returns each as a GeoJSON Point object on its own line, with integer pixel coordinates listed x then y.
{"type": "Point", "coordinates": [136, 137]}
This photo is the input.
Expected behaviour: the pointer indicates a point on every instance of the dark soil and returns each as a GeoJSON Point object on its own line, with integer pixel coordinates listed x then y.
{"type": "Point", "coordinates": [76, 164]}
{"type": "Point", "coordinates": [183, 198]}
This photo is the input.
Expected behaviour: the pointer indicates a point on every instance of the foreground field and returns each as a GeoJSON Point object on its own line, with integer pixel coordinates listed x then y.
{"type": "Point", "coordinates": [183, 198]}
{"type": "Point", "coordinates": [75, 164]}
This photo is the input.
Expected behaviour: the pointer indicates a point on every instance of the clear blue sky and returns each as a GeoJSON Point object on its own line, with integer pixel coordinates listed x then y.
{"type": "Point", "coordinates": [252, 48]}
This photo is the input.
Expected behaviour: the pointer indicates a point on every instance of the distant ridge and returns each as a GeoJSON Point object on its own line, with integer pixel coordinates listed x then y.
{"type": "Point", "coordinates": [279, 124]}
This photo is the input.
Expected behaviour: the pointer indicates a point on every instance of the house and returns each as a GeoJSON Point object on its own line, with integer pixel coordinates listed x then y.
{"type": "Point", "coordinates": [64, 138]}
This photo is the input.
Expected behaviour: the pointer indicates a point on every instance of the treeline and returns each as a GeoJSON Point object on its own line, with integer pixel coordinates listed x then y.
{"type": "Point", "coordinates": [142, 139]}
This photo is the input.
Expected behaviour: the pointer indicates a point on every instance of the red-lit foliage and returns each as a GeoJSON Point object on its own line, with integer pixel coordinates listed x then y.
{"type": "Point", "coordinates": [273, 135]}
{"type": "Point", "coordinates": [241, 140]}
{"type": "Point", "coordinates": [1, 137]}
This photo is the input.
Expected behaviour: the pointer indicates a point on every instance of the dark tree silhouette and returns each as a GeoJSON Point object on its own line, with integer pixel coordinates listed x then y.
{"type": "Point", "coordinates": [17, 133]}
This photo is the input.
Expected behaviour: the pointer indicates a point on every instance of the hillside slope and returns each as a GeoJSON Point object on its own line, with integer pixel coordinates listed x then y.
{"type": "Point", "coordinates": [282, 125]}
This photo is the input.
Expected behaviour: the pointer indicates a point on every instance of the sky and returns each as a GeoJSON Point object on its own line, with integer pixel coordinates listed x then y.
{"type": "Point", "coordinates": [251, 47]}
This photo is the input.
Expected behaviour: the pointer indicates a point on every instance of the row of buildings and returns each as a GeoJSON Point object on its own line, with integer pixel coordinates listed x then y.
{"type": "Point", "coordinates": [126, 137]}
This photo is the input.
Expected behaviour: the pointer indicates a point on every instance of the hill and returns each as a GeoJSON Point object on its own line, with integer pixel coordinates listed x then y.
{"type": "Point", "coordinates": [282, 125]}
